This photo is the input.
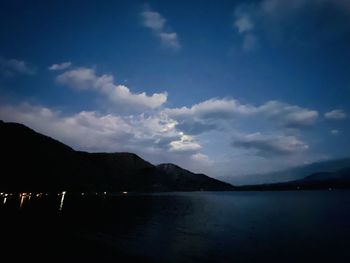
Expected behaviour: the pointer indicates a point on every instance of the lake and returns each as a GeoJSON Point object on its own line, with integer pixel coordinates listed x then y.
{"type": "Point", "coordinates": [277, 226]}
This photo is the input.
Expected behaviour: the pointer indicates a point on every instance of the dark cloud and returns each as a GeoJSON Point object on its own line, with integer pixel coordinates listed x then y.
{"type": "Point", "coordinates": [10, 67]}
{"type": "Point", "coordinates": [269, 145]}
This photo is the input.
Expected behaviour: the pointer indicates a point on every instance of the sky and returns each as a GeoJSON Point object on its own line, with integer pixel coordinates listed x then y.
{"type": "Point", "coordinates": [227, 88]}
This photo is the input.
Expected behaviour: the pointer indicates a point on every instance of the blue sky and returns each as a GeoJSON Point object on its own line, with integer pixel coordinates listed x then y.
{"type": "Point", "coordinates": [227, 88]}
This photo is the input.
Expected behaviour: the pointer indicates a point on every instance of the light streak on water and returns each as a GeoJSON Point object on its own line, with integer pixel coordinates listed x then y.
{"type": "Point", "coordinates": [62, 200]}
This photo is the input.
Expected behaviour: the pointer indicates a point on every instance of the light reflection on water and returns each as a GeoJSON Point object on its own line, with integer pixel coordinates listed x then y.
{"type": "Point", "coordinates": [62, 200]}
{"type": "Point", "coordinates": [204, 227]}
{"type": "Point", "coordinates": [23, 199]}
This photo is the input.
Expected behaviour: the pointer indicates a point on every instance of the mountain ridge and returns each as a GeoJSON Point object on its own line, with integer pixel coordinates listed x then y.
{"type": "Point", "coordinates": [33, 161]}
{"type": "Point", "coordinates": [339, 179]}
{"type": "Point", "coordinates": [293, 173]}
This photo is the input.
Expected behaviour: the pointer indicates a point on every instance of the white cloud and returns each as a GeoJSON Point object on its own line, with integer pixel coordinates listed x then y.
{"type": "Point", "coordinates": [243, 23]}
{"type": "Point", "coordinates": [291, 116]}
{"type": "Point", "coordinates": [83, 78]}
{"type": "Point", "coordinates": [202, 158]}
{"type": "Point", "coordinates": [334, 132]}
{"type": "Point", "coordinates": [158, 136]}
{"type": "Point", "coordinates": [92, 131]}
{"type": "Point", "coordinates": [60, 66]}
{"type": "Point", "coordinates": [186, 143]}
{"type": "Point", "coordinates": [269, 145]}
{"type": "Point", "coordinates": [335, 115]}
{"type": "Point", "coordinates": [9, 67]}
{"type": "Point", "coordinates": [120, 95]}
{"type": "Point", "coordinates": [245, 26]}
{"type": "Point", "coordinates": [209, 114]}
{"type": "Point", "coordinates": [170, 40]}
{"type": "Point", "coordinates": [157, 23]}
{"type": "Point", "coordinates": [153, 20]}
{"type": "Point", "coordinates": [83, 130]}
{"type": "Point", "coordinates": [212, 109]}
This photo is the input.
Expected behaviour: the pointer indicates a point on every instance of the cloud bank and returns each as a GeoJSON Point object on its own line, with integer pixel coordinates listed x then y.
{"type": "Point", "coordinates": [143, 125]}
{"type": "Point", "coordinates": [269, 145]}
{"type": "Point", "coordinates": [210, 114]}
{"type": "Point", "coordinates": [87, 79]}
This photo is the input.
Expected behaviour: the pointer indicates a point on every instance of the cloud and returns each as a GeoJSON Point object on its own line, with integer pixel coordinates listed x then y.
{"type": "Point", "coordinates": [334, 132]}
{"type": "Point", "coordinates": [197, 126]}
{"type": "Point", "coordinates": [335, 115]}
{"type": "Point", "coordinates": [160, 135]}
{"type": "Point", "coordinates": [170, 40]}
{"type": "Point", "coordinates": [269, 145]}
{"type": "Point", "coordinates": [186, 143]}
{"type": "Point", "coordinates": [153, 20]}
{"type": "Point", "coordinates": [153, 137]}
{"type": "Point", "coordinates": [92, 131]}
{"type": "Point", "coordinates": [120, 95]}
{"type": "Point", "coordinates": [278, 21]}
{"type": "Point", "coordinates": [210, 114]}
{"type": "Point", "coordinates": [212, 109]}
{"type": "Point", "coordinates": [157, 23]}
{"type": "Point", "coordinates": [290, 116]}
{"type": "Point", "coordinates": [60, 66]}
{"type": "Point", "coordinates": [83, 130]}
{"type": "Point", "coordinates": [243, 23]}
{"type": "Point", "coordinates": [245, 26]}
{"type": "Point", "coordinates": [9, 67]}
{"type": "Point", "coordinates": [202, 158]}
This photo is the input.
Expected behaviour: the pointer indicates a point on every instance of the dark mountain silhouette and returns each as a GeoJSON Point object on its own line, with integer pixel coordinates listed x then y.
{"type": "Point", "coordinates": [294, 173]}
{"type": "Point", "coordinates": [35, 162]}
{"type": "Point", "coordinates": [186, 180]}
{"type": "Point", "coordinates": [339, 179]}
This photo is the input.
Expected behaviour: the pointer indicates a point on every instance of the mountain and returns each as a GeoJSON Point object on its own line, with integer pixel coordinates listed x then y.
{"type": "Point", "coordinates": [35, 162]}
{"type": "Point", "coordinates": [339, 179]}
{"type": "Point", "coordinates": [184, 179]}
{"type": "Point", "coordinates": [294, 173]}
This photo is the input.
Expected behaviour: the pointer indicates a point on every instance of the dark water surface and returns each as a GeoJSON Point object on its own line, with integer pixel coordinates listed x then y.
{"type": "Point", "coordinates": [281, 226]}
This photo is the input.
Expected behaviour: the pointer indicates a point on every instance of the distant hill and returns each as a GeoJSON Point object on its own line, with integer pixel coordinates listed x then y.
{"type": "Point", "coordinates": [323, 180]}
{"type": "Point", "coordinates": [294, 173]}
{"type": "Point", "coordinates": [338, 178]}
{"type": "Point", "coordinates": [31, 161]}
{"type": "Point", "coordinates": [184, 179]}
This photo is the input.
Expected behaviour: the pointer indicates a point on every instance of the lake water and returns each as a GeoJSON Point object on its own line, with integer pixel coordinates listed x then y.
{"type": "Point", "coordinates": [280, 226]}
